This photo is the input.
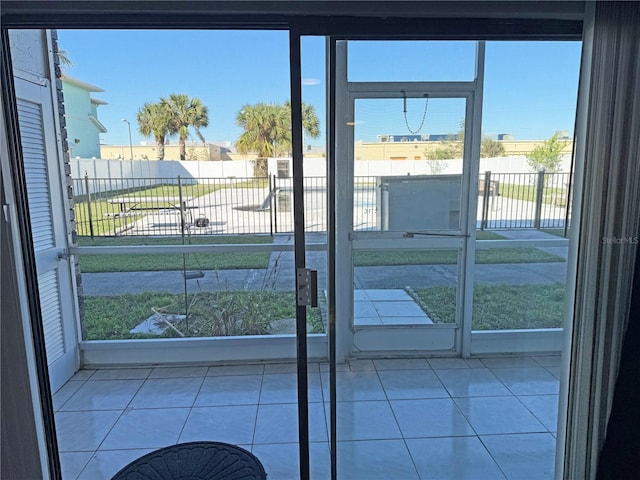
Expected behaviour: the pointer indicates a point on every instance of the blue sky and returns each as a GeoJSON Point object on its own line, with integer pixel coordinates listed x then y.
{"type": "Point", "coordinates": [530, 88]}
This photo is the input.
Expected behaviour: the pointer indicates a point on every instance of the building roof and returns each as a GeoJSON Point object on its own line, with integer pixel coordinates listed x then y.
{"type": "Point", "coordinates": [80, 83]}
{"type": "Point", "coordinates": [97, 101]}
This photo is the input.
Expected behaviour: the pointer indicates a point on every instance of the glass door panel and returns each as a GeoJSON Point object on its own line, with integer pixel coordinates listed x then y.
{"type": "Point", "coordinates": [408, 222]}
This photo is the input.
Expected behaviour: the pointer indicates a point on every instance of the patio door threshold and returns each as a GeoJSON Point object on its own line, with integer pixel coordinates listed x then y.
{"type": "Point", "coordinates": [177, 351]}
{"type": "Point", "coordinates": [547, 340]}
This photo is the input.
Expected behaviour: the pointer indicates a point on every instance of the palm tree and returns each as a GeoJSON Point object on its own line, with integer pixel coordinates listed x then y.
{"type": "Point", "coordinates": [267, 131]}
{"type": "Point", "coordinates": [63, 58]}
{"type": "Point", "coordinates": [186, 112]}
{"type": "Point", "coordinates": [155, 119]}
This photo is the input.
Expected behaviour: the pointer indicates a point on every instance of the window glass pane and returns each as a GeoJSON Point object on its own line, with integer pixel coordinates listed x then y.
{"type": "Point", "coordinates": [411, 61]}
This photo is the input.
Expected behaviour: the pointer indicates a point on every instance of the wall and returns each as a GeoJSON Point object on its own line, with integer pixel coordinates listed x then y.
{"type": "Point", "coordinates": [415, 150]}
{"type": "Point", "coordinates": [78, 107]}
{"type": "Point", "coordinates": [171, 152]}
{"type": "Point", "coordinates": [313, 167]}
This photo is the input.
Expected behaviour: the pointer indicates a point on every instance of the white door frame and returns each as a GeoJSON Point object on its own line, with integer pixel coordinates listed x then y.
{"type": "Point", "coordinates": [350, 91]}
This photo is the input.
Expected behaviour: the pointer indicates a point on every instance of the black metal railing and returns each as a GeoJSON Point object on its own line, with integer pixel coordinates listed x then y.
{"type": "Point", "coordinates": [168, 206]}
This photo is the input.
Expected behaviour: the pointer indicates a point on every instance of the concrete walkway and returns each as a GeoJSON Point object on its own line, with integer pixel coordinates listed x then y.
{"type": "Point", "coordinates": [280, 274]}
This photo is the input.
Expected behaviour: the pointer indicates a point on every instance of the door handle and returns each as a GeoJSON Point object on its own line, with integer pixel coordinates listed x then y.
{"type": "Point", "coordinates": [426, 234]}
{"type": "Point", "coordinates": [307, 288]}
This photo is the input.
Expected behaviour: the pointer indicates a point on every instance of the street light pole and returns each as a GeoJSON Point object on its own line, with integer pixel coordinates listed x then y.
{"type": "Point", "coordinates": [130, 143]}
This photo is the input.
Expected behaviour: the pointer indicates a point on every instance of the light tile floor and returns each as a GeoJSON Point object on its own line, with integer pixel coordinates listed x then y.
{"type": "Point", "coordinates": [444, 418]}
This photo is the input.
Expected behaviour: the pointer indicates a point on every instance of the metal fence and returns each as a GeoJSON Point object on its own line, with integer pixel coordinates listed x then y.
{"type": "Point", "coordinates": [524, 200]}
{"type": "Point", "coordinates": [205, 206]}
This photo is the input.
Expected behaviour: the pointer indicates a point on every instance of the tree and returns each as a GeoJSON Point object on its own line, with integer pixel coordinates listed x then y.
{"type": "Point", "coordinates": [452, 147]}
{"type": "Point", "coordinates": [63, 58]}
{"type": "Point", "coordinates": [185, 112]}
{"type": "Point", "coordinates": [491, 148]}
{"type": "Point", "coordinates": [154, 119]}
{"type": "Point", "coordinates": [547, 156]}
{"type": "Point", "coordinates": [267, 131]}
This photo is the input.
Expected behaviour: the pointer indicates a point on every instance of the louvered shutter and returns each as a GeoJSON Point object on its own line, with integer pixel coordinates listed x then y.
{"type": "Point", "coordinates": [39, 196]}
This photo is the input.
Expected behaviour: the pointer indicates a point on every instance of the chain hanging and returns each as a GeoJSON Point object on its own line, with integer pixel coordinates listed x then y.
{"type": "Point", "coordinates": [424, 114]}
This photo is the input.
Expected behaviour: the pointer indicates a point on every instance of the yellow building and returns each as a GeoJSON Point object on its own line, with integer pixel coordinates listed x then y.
{"type": "Point", "coordinates": [415, 150]}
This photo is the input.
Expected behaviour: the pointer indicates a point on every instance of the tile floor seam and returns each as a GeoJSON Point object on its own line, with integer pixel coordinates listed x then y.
{"type": "Point", "coordinates": [191, 408]}
{"type": "Point", "coordinates": [395, 418]}
{"type": "Point", "coordinates": [122, 412]}
{"type": "Point", "coordinates": [255, 422]}
{"type": "Point", "coordinates": [533, 413]}
{"type": "Point", "coordinates": [70, 396]}
{"type": "Point", "coordinates": [93, 454]}
{"type": "Point", "coordinates": [513, 394]}
{"type": "Point", "coordinates": [493, 458]}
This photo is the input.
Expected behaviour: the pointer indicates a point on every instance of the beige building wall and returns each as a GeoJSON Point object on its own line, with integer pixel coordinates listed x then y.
{"type": "Point", "coordinates": [171, 152]}
{"type": "Point", "coordinates": [415, 150]}
{"type": "Point", "coordinates": [363, 151]}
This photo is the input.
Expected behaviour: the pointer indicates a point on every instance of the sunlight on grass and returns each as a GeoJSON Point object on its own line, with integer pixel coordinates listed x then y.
{"type": "Point", "coordinates": [500, 307]}
{"type": "Point", "coordinates": [142, 262]}
{"type": "Point", "coordinates": [210, 314]}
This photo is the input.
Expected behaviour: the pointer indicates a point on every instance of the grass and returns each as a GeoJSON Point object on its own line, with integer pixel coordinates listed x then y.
{"type": "Point", "coordinates": [556, 231]}
{"type": "Point", "coordinates": [550, 195]}
{"type": "Point", "coordinates": [211, 314]}
{"type": "Point", "coordinates": [195, 261]}
{"type": "Point", "coordinates": [500, 307]}
{"type": "Point", "coordinates": [104, 214]}
{"type": "Point", "coordinates": [450, 257]}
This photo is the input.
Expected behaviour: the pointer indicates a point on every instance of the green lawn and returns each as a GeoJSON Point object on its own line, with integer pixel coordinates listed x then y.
{"type": "Point", "coordinates": [195, 261]}
{"type": "Point", "coordinates": [450, 257]}
{"type": "Point", "coordinates": [550, 195]}
{"type": "Point", "coordinates": [498, 307]}
{"type": "Point", "coordinates": [211, 314]}
{"type": "Point", "coordinates": [556, 231]}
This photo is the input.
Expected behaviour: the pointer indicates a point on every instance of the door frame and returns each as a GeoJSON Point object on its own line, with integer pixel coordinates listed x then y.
{"type": "Point", "coordinates": [350, 92]}
{"type": "Point", "coordinates": [40, 90]}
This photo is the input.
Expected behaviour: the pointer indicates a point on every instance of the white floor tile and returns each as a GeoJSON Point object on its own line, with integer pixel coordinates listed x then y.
{"type": "Point", "coordinates": [372, 420]}
{"type": "Point", "coordinates": [279, 424]}
{"type": "Point", "coordinates": [104, 465]}
{"type": "Point", "coordinates": [103, 395]}
{"type": "Point", "coordinates": [283, 388]}
{"type": "Point", "coordinates": [121, 374]}
{"type": "Point", "coordinates": [430, 418]}
{"type": "Point", "coordinates": [401, 364]}
{"type": "Point", "coordinates": [471, 382]}
{"type": "Point", "coordinates": [523, 457]}
{"type": "Point", "coordinates": [84, 431]}
{"type": "Point", "coordinates": [178, 372]}
{"type": "Point", "coordinates": [544, 407]}
{"type": "Point", "coordinates": [528, 381]}
{"type": "Point", "coordinates": [281, 461]}
{"type": "Point", "coordinates": [149, 428]}
{"type": "Point", "coordinates": [352, 386]}
{"type": "Point", "coordinates": [65, 393]}
{"type": "Point", "coordinates": [412, 384]}
{"type": "Point", "coordinates": [495, 415]}
{"type": "Point", "coordinates": [233, 425]}
{"type": "Point", "coordinates": [459, 458]}
{"type": "Point", "coordinates": [229, 390]}
{"type": "Point", "coordinates": [72, 463]}
{"type": "Point", "coordinates": [167, 393]}
{"type": "Point", "coordinates": [375, 460]}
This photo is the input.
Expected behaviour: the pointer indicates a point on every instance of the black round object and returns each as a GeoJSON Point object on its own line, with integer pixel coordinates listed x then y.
{"type": "Point", "coordinates": [202, 222]}
{"type": "Point", "coordinates": [195, 461]}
